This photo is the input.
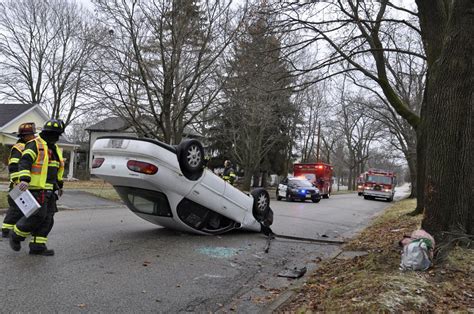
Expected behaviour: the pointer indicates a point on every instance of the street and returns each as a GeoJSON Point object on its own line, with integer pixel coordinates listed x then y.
{"type": "Point", "coordinates": [109, 260]}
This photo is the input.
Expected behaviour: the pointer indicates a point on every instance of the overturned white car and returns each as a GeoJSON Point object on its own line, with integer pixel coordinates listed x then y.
{"type": "Point", "coordinates": [169, 186]}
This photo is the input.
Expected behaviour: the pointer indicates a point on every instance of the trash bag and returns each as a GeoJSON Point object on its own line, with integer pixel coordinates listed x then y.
{"type": "Point", "coordinates": [417, 251]}
{"type": "Point", "coordinates": [416, 256]}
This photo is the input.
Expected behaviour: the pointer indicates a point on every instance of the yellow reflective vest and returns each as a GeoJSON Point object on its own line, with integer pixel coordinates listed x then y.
{"type": "Point", "coordinates": [38, 172]}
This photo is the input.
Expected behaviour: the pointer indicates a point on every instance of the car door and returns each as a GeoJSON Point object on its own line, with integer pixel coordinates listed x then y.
{"type": "Point", "coordinates": [208, 191]}
{"type": "Point", "coordinates": [282, 187]}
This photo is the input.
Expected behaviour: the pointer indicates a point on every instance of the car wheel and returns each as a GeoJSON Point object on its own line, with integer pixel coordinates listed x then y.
{"type": "Point", "coordinates": [278, 197]}
{"type": "Point", "coordinates": [289, 198]}
{"type": "Point", "coordinates": [316, 200]}
{"type": "Point", "coordinates": [261, 204]}
{"type": "Point", "coordinates": [191, 156]}
{"type": "Point", "coordinates": [366, 197]}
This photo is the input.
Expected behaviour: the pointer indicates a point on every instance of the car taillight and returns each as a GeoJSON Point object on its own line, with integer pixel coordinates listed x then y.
{"type": "Point", "coordinates": [141, 167]}
{"type": "Point", "coordinates": [97, 162]}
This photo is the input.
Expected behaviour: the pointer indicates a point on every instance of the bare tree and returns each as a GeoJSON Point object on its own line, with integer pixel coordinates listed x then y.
{"type": "Point", "coordinates": [160, 70]}
{"type": "Point", "coordinates": [355, 32]}
{"type": "Point", "coordinates": [44, 50]}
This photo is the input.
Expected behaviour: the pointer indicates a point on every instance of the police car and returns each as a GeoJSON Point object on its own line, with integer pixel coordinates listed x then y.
{"type": "Point", "coordinates": [297, 189]}
{"type": "Point", "coordinates": [169, 186]}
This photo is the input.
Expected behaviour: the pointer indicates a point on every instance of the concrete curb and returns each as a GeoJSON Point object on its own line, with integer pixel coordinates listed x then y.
{"type": "Point", "coordinates": [298, 284]}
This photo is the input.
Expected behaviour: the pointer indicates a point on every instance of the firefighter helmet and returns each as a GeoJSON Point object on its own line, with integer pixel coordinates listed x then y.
{"type": "Point", "coordinates": [54, 125]}
{"type": "Point", "coordinates": [27, 128]}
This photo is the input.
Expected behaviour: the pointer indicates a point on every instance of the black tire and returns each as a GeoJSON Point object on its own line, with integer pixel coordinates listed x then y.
{"type": "Point", "coordinates": [360, 194]}
{"type": "Point", "coordinates": [278, 197]}
{"type": "Point", "coordinates": [261, 204]}
{"type": "Point", "coordinates": [390, 199]}
{"type": "Point", "coordinates": [316, 200]}
{"type": "Point", "coordinates": [191, 156]}
{"type": "Point", "coordinates": [366, 197]}
{"type": "Point", "coordinates": [289, 198]}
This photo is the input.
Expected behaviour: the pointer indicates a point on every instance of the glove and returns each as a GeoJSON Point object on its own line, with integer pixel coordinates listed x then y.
{"type": "Point", "coordinates": [23, 186]}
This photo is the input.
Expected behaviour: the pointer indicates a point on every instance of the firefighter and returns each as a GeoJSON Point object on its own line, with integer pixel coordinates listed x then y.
{"type": "Point", "coordinates": [40, 170]}
{"type": "Point", "coordinates": [26, 132]}
{"type": "Point", "coordinates": [229, 173]}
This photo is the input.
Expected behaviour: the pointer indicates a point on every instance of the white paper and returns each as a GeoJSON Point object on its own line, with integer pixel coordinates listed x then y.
{"type": "Point", "coordinates": [25, 201]}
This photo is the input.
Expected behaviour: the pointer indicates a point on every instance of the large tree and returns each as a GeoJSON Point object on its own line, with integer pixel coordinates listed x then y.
{"type": "Point", "coordinates": [357, 36]}
{"type": "Point", "coordinates": [257, 114]}
{"type": "Point", "coordinates": [45, 47]}
{"type": "Point", "coordinates": [160, 68]}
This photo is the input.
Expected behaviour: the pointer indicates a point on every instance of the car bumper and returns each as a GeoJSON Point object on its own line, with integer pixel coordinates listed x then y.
{"type": "Point", "coordinates": [380, 194]}
{"type": "Point", "coordinates": [306, 196]}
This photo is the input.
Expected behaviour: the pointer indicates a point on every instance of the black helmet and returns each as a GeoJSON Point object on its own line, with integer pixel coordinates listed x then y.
{"type": "Point", "coordinates": [54, 125]}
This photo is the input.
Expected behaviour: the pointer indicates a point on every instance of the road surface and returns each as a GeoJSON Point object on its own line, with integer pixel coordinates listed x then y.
{"type": "Point", "coordinates": [109, 260]}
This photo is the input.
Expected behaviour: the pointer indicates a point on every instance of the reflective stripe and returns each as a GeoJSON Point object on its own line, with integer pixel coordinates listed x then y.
{"type": "Point", "coordinates": [53, 163]}
{"type": "Point", "coordinates": [24, 173]}
{"type": "Point", "coordinates": [13, 161]}
{"type": "Point", "coordinates": [7, 226]}
{"type": "Point", "coordinates": [48, 186]}
{"type": "Point", "coordinates": [20, 233]}
{"type": "Point", "coordinates": [39, 240]}
{"type": "Point", "coordinates": [36, 169]}
{"type": "Point", "coordinates": [31, 153]}
{"type": "Point", "coordinates": [19, 146]}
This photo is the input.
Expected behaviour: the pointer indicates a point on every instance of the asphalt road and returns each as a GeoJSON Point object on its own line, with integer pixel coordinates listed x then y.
{"type": "Point", "coordinates": [109, 260]}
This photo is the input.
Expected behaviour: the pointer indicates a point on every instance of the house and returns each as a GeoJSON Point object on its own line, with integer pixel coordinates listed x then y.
{"type": "Point", "coordinates": [12, 115]}
{"type": "Point", "coordinates": [115, 126]}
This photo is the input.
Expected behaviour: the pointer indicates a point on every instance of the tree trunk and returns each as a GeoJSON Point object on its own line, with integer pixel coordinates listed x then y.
{"type": "Point", "coordinates": [420, 167]}
{"type": "Point", "coordinates": [448, 132]}
{"type": "Point", "coordinates": [413, 177]}
{"type": "Point", "coordinates": [247, 179]}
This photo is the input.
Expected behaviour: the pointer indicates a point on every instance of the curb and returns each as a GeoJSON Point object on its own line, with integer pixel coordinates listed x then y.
{"type": "Point", "coordinates": [288, 294]}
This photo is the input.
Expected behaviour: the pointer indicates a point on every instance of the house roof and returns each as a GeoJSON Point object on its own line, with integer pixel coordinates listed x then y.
{"type": "Point", "coordinates": [110, 124]}
{"type": "Point", "coordinates": [8, 112]}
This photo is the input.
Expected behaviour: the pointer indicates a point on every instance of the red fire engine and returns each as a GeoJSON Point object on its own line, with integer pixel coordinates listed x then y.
{"type": "Point", "coordinates": [320, 174]}
{"type": "Point", "coordinates": [379, 183]}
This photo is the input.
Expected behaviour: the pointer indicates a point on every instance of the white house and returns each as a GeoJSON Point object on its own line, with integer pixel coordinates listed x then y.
{"type": "Point", "coordinates": [12, 115]}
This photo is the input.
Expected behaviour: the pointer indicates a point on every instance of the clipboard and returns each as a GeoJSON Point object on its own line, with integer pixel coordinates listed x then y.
{"type": "Point", "coordinates": [25, 201]}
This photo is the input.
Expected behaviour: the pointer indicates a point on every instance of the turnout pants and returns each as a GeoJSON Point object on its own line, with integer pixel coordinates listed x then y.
{"type": "Point", "coordinates": [11, 218]}
{"type": "Point", "coordinates": [40, 224]}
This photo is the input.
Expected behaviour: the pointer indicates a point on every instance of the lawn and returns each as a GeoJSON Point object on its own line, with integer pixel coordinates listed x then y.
{"type": "Point", "coordinates": [374, 283]}
{"type": "Point", "coordinates": [97, 187]}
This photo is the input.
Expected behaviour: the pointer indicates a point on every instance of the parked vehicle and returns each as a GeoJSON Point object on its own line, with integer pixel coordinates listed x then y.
{"type": "Point", "coordinates": [169, 186]}
{"type": "Point", "coordinates": [320, 174]}
{"type": "Point", "coordinates": [379, 184]}
{"type": "Point", "coordinates": [297, 189]}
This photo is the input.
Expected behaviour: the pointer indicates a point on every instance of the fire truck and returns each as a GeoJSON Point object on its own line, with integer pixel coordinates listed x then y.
{"type": "Point", "coordinates": [319, 174]}
{"type": "Point", "coordinates": [379, 184]}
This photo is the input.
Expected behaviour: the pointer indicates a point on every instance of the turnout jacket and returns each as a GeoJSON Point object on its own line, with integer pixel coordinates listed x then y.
{"type": "Point", "coordinates": [41, 166]}
{"type": "Point", "coordinates": [13, 160]}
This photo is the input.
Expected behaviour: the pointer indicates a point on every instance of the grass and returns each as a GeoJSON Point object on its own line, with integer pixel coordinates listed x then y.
{"type": "Point", "coordinates": [96, 187]}
{"type": "Point", "coordinates": [373, 282]}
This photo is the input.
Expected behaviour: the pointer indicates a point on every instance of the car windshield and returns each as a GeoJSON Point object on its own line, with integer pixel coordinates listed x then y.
{"type": "Point", "coordinates": [301, 183]}
{"type": "Point", "coordinates": [379, 179]}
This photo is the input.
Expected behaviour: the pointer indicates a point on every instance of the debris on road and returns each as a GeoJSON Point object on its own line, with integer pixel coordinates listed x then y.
{"type": "Point", "coordinates": [293, 273]}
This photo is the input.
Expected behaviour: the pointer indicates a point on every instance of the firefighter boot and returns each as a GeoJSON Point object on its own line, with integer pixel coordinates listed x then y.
{"type": "Point", "coordinates": [40, 249]}
{"type": "Point", "coordinates": [15, 243]}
